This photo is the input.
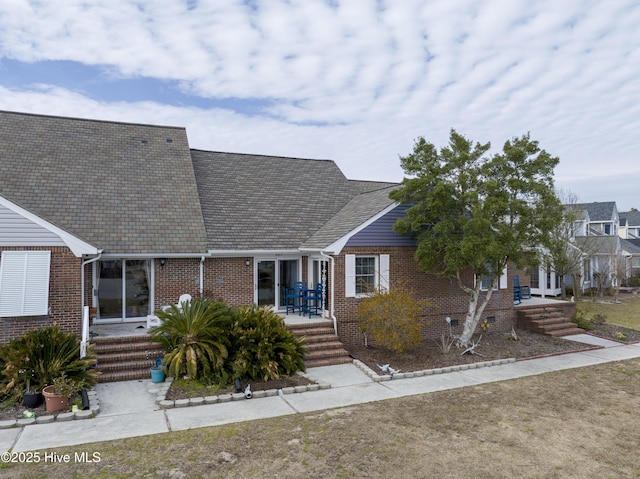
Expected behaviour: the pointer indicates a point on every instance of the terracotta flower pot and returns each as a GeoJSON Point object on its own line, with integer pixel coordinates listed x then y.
{"type": "Point", "coordinates": [54, 402]}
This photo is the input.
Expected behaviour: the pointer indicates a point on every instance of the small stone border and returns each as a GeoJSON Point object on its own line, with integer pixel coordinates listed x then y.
{"type": "Point", "coordinates": [428, 372]}
{"type": "Point", "coordinates": [160, 390]}
{"type": "Point", "coordinates": [94, 409]}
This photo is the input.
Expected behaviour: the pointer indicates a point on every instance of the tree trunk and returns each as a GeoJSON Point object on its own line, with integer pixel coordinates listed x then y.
{"type": "Point", "coordinates": [475, 311]}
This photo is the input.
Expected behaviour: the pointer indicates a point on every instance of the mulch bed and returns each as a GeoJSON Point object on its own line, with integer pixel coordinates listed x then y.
{"type": "Point", "coordinates": [492, 346]}
{"type": "Point", "coordinates": [429, 355]}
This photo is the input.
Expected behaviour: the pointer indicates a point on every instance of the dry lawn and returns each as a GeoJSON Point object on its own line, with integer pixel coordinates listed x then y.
{"type": "Point", "coordinates": [580, 423]}
{"type": "Point", "coordinates": [624, 313]}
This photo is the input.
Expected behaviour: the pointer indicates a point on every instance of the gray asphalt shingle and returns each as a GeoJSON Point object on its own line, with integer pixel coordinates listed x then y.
{"type": "Point", "coordinates": [126, 188]}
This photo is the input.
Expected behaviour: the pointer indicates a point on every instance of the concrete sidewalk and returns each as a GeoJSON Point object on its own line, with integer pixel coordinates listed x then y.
{"type": "Point", "coordinates": [127, 409]}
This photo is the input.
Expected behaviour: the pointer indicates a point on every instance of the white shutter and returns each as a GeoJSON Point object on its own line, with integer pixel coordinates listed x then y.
{"type": "Point", "coordinates": [504, 282]}
{"type": "Point", "coordinates": [24, 283]}
{"type": "Point", "coordinates": [384, 272]}
{"type": "Point", "coordinates": [350, 275]}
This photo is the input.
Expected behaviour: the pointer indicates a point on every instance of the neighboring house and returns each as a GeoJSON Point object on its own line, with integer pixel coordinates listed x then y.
{"type": "Point", "coordinates": [600, 232]}
{"type": "Point", "coordinates": [126, 217]}
{"type": "Point", "coordinates": [630, 225]}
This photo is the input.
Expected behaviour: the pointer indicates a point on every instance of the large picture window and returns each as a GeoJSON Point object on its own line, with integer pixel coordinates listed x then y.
{"type": "Point", "coordinates": [24, 283]}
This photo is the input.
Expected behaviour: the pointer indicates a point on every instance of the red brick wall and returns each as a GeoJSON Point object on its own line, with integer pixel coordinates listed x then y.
{"type": "Point", "coordinates": [444, 295]}
{"type": "Point", "coordinates": [178, 276]}
{"type": "Point", "coordinates": [64, 296]}
{"type": "Point", "coordinates": [229, 280]}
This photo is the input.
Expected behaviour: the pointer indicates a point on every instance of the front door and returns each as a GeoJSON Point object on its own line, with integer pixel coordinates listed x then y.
{"type": "Point", "coordinates": [273, 277]}
{"type": "Point", "coordinates": [123, 289]}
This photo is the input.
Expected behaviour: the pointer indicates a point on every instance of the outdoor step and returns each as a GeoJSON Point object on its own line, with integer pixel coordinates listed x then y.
{"type": "Point", "coordinates": [325, 354]}
{"type": "Point", "coordinates": [319, 339]}
{"type": "Point", "coordinates": [565, 332]}
{"type": "Point", "coordinates": [555, 314]}
{"type": "Point", "coordinates": [120, 339]}
{"type": "Point", "coordinates": [324, 345]}
{"type": "Point", "coordinates": [328, 362]}
{"type": "Point", "coordinates": [125, 365]}
{"type": "Point", "coordinates": [105, 348]}
{"type": "Point", "coordinates": [128, 375]}
{"type": "Point", "coordinates": [542, 323]}
{"type": "Point", "coordinates": [140, 355]}
{"type": "Point", "coordinates": [308, 332]}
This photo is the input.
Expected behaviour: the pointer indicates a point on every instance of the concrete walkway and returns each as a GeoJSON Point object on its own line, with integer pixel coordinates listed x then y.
{"type": "Point", "coordinates": [127, 409]}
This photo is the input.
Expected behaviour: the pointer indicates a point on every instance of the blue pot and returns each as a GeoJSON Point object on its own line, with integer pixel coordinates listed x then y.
{"type": "Point", "coordinates": [157, 374]}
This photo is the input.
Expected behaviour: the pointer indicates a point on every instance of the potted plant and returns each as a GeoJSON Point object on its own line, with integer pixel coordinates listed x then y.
{"type": "Point", "coordinates": [31, 398]}
{"type": "Point", "coordinates": [57, 394]}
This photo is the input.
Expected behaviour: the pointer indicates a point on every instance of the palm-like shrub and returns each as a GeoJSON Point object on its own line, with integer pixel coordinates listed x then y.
{"type": "Point", "coordinates": [194, 335]}
{"type": "Point", "coordinates": [263, 347]}
{"type": "Point", "coordinates": [35, 359]}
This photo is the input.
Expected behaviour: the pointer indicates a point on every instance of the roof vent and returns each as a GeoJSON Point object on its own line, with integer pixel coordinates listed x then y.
{"type": "Point", "coordinates": [169, 140]}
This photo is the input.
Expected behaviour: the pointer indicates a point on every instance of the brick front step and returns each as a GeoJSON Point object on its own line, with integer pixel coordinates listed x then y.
{"type": "Point", "coordinates": [548, 321]}
{"type": "Point", "coordinates": [324, 348]}
{"type": "Point", "coordinates": [125, 358]}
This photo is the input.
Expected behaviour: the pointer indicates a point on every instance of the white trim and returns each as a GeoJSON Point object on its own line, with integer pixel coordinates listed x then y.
{"type": "Point", "coordinates": [75, 244]}
{"type": "Point", "coordinates": [337, 246]}
{"type": "Point", "coordinates": [223, 253]}
{"type": "Point", "coordinates": [276, 259]}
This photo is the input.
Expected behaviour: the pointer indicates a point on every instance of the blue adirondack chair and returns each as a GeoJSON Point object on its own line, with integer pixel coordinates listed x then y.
{"type": "Point", "coordinates": [520, 292]}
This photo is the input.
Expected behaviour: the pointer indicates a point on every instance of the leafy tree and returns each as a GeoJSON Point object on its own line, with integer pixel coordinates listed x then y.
{"type": "Point", "coordinates": [475, 213]}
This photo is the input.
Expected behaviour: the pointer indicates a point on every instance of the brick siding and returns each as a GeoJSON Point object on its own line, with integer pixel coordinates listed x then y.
{"type": "Point", "coordinates": [444, 296]}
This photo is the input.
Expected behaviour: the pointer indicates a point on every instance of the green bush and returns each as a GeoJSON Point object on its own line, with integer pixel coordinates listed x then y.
{"type": "Point", "coordinates": [582, 321]}
{"type": "Point", "coordinates": [262, 346]}
{"type": "Point", "coordinates": [40, 356]}
{"type": "Point", "coordinates": [392, 319]}
{"type": "Point", "coordinates": [195, 338]}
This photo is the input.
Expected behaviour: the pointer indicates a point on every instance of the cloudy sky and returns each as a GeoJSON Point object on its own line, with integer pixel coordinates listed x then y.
{"type": "Point", "coordinates": [355, 81]}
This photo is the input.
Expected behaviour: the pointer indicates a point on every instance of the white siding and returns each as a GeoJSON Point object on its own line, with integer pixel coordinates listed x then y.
{"type": "Point", "coordinates": [16, 230]}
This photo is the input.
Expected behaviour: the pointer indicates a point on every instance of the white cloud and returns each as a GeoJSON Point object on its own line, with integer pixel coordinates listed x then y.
{"type": "Point", "coordinates": [375, 74]}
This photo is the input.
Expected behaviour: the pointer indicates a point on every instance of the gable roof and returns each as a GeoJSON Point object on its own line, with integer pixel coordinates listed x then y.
{"type": "Point", "coordinates": [123, 187]}
{"type": "Point", "coordinates": [598, 212]}
{"type": "Point", "coordinates": [631, 246]}
{"type": "Point", "coordinates": [355, 213]}
{"type": "Point", "coordinates": [259, 202]}
{"type": "Point", "coordinates": [630, 218]}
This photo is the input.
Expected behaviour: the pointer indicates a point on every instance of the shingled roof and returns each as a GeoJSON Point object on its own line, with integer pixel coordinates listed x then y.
{"type": "Point", "coordinates": [126, 188]}
{"type": "Point", "coordinates": [630, 218]}
{"type": "Point", "coordinates": [357, 211]}
{"type": "Point", "coordinates": [598, 211]}
{"type": "Point", "coordinates": [264, 202]}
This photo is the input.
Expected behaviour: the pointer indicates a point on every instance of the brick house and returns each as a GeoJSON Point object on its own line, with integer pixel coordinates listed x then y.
{"type": "Point", "coordinates": [126, 217]}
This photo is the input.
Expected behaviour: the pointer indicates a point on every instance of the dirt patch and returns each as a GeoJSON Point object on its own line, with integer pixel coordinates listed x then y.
{"type": "Point", "coordinates": [614, 332]}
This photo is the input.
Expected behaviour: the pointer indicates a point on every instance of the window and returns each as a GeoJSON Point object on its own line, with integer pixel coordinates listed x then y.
{"type": "Point", "coordinates": [24, 283]}
{"type": "Point", "coordinates": [365, 272]}
{"type": "Point", "coordinates": [485, 281]}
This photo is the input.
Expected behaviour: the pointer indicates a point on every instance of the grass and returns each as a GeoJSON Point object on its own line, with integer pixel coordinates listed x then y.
{"type": "Point", "coordinates": [625, 313]}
